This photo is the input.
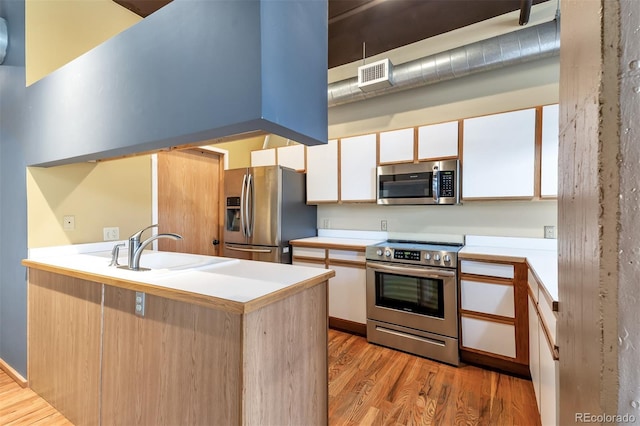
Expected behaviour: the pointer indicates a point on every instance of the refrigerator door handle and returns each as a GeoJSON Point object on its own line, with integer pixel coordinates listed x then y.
{"type": "Point", "coordinates": [248, 250]}
{"type": "Point", "coordinates": [242, 206]}
{"type": "Point", "coordinates": [250, 206]}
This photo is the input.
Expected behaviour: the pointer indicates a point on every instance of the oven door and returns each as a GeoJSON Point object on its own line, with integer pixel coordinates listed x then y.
{"type": "Point", "coordinates": [422, 298]}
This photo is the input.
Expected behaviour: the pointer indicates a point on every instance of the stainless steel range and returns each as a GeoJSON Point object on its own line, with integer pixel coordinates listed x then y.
{"type": "Point", "coordinates": [412, 298]}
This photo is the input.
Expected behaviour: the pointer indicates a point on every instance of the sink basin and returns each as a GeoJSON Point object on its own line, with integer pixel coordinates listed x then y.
{"type": "Point", "coordinates": [176, 261]}
{"type": "Point", "coordinates": [163, 260]}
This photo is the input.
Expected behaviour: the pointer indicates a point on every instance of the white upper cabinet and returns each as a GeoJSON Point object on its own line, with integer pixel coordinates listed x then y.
{"type": "Point", "coordinates": [322, 173]}
{"type": "Point", "coordinates": [292, 156]}
{"type": "Point", "coordinates": [438, 141]}
{"type": "Point", "coordinates": [263, 157]}
{"type": "Point", "coordinates": [499, 155]}
{"type": "Point", "coordinates": [549, 168]}
{"type": "Point", "coordinates": [358, 168]}
{"type": "Point", "coordinates": [396, 146]}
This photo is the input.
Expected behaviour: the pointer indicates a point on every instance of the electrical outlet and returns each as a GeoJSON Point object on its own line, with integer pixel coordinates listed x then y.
{"type": "Point", "coordinates": [550, 232]}
{"type": "Point", "coordinates": [69, 223]}
{"type": "Point", "coordinates": [383, 225]}
{"type": "Point", "coordinates": [326, 224]}
{"type": "Point", "coordinates": [140, 299]}
{"type": "Point", "coordinates": [111, 233]}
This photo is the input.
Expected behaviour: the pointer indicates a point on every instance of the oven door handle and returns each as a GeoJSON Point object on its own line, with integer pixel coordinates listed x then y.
{"type": "Point", "coordinates": [418, 272]}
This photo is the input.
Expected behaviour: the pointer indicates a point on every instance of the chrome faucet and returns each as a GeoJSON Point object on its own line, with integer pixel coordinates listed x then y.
{"type": "Point", "coordinates": [136, 247]}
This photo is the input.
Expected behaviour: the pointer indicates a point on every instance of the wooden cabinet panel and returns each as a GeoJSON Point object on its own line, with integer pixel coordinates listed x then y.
{"type": "Point", "coordinates": [438, 141]}
{"type": "Point", "coordinates": [493, 337]}
{"type": "Point", "coordinates": [64, 344]}
{"type": "Point", "coordinates": [358, 168]}
{"type": "Point", "coordinates": [347, 293]}
{"type": "Point", "coordinates": [549, 166]}
{"type": "Point", "coordinates": [292, 156]}
{"type": "Point", "coordinates": [263, 157]}
{"type": "Point", "coordinates": [499, 155]}
{"type": "Point", "coordinates": [499, 270]}
{"type": "Point", "coordinates": [488, 298]}
{"type": "Point", "coordinates": [397, 146]}
{"type": "Point", "coordinates": [142, 380]}
{"type": "Point", "coordinates": [548, 317]}
{"type": "Point", "coordinates": [322, 173]}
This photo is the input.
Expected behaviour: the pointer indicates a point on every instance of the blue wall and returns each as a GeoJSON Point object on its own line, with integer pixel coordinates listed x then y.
{"type": "Point", "coordinates": [194, 70]}
{"type": "Point", "coordinates": [13, 193]}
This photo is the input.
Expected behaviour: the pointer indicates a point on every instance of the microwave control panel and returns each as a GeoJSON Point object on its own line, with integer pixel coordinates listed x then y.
{"type": "Point", "coordinates": [447, 183]}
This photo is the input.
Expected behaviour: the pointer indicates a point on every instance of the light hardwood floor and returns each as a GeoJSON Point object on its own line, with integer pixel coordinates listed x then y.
{"type": "Point", "coordinates": [368, 385]}
{"type": "Point", "coordinates": [20, 406]}
{"type": "Point", "coordinates": [372, 385]}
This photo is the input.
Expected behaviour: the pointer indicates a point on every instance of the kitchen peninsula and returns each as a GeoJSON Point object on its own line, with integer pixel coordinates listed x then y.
{"type": "Point", "coordinates": [215, 340]}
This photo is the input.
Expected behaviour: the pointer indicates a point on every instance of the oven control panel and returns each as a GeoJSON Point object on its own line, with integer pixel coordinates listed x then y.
{"type": "Point", "coordinates": [441, 258]}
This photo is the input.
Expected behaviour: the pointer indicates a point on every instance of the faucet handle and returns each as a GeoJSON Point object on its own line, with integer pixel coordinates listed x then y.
{"type": "Point", "coordinates": [138, 234]}
{"type": "Point", "coordinates": [115, 252]}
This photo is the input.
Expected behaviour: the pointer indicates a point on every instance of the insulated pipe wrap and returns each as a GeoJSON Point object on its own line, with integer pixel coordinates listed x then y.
{"type": "Point", "coordinates": [4, 39]}
{"type": "Point", "coordinates": [517, 47]}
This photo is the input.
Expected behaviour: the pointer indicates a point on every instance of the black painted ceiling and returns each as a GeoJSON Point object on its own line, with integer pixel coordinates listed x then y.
{"type": "Point", "coordinates": [383, 25]}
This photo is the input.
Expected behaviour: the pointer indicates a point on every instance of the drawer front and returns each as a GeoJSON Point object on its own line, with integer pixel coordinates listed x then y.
{"type": "Point", "coordinates": [357, 256]}
{"type": "Point", "coordinates": [489, 298]}
{"type": "Point", "coordinates": [499, 270]}
{"type": "Point", "coordinates": [309, 264]}
{"type": "Point", "coordinates": [309, 252]}
{"type": "Point", "coordinates": [488, 336]}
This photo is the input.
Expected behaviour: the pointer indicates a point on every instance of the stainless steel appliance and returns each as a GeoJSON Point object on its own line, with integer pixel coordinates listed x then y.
{"type": "Point", "coordinates": [432, 182]}
{"type": "Point", "coordinates": [412, 301]}
{"type": "Point", "coordinates": [265, 208]}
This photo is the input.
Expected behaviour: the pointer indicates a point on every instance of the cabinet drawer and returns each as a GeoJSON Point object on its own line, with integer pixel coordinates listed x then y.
{"type": "Point", "coordinates": [312, 264]}
{"type": "Point", "coordinates": [353, 255]}
{"type": "Point", "coordinates": [488, 336]}
{"type": "Point", "coordinates": [499, 270]}
{"type": "Point", "coordinates": [489, 298]}
{"type": "Point", "coordinates": [309, 252]}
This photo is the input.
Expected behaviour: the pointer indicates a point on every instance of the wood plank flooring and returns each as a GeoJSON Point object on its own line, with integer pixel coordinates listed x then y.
{"type": "Point", "coordinates": [19, 406]}
{"type": "Point", "coordinates": [368, 385]}
{"type": "Point", "coordinates": [373, 385]}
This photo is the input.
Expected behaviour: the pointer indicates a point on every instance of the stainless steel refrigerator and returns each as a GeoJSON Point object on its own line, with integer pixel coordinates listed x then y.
{"type": "Point", "coordinates": [265, 208]}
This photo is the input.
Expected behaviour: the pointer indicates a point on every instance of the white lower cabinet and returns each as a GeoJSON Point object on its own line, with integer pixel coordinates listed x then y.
{"type": "Point", "coordinates": [488, 336]}
{"type": "Point", "coordinates": [347, 294]}
{"type": "Point", "coordinates": [548, 386]}
{"type": "Point", "coordinates": [543, 363]}
{"type": "Point", "coordinates": [534, 349]}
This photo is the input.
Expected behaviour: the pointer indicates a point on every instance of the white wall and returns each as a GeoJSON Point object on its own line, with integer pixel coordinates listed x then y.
{"type": "Point", "coordinates": [499, 218]}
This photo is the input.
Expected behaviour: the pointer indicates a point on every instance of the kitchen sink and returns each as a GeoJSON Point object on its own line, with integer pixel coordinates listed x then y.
{"type": "Point", "coordinates": [176, 261]}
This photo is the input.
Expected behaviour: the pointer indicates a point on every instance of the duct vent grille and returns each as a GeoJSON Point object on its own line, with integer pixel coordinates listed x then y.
{"type": "Point", "coordinates": [375, 75]}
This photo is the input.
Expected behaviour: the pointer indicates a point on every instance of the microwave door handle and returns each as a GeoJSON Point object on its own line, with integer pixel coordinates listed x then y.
{"type": "Point", "coordinates": [435, 185]}
{"type": "Point", "coordinates": [423, 273]}
{"type": "Point", "coordinates": [242, 204]}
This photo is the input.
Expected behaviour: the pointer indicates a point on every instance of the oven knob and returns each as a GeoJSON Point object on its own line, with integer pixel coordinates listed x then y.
{"type": "Point", "coordinates": [387, 253]}
{"type": "Point", "coordinates": [379, 252]}
{"type": "Point", "coordinates": [427, 256]}
{"type": "Point", "coordinates": [436, 257]}
{"type": "Point", "coordinates": [447, 258]}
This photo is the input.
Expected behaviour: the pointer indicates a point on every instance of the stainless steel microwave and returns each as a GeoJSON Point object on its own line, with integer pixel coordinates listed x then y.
{"type": "Point", "coordinates": [430, 182]}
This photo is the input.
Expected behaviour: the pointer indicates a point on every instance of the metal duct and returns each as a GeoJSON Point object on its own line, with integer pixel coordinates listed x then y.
{"type": "Point", "coordinates": [4, 39]}
{"type": "Point", "coordinates": [517, 47]}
